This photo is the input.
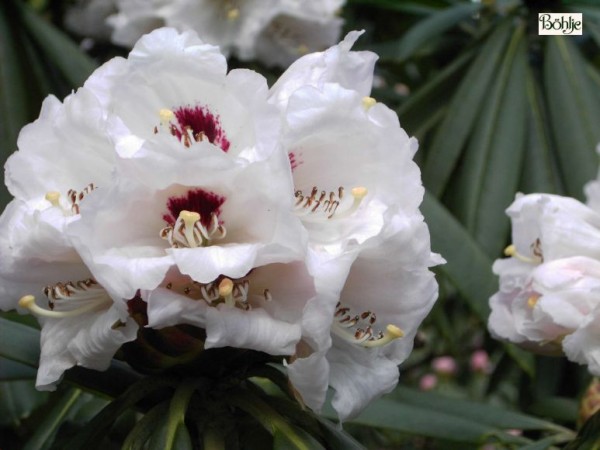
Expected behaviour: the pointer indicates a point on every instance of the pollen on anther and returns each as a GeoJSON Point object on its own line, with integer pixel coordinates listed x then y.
{"type": "Point", "coordinates": [53, 197]}
{"type": "Point", "coordinates": [26, 301]}
{"type": "Point", "coordinates": [233, 14]}
{"type": "Point", "coordinates": [394, 331]}
{"type": "Point", "coordinates": [532, 301]}
{"type": "Point", "coordinates": [368, 102]}
{"type": "Point", "coordinates": [511, 250]}
{"type": "Point", "coordinates": [359, 192]}
{"type": "Point", "coordinates": [166, 116]}
{"type": "Point", "coordinates": [225, 287]}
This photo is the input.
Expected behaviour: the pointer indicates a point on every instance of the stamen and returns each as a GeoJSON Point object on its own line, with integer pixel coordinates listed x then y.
{"type": "Point", "coordinates": [302, 49]}
{"type": "Point", "coordinates": [53, 197]}
{"type": "Point", "coordinates": [166, 116]}
{"type": "Point", "coordinates": [320, 206]}
{"type": "Point", "coordinates": [233, 14]}
{"type": "Point", "coordinates": [75, 197]}
{"type": "Point", "coordinates": [511, 250]}
{"type": "Point", "coordinates": [28, 302]}
{"type": "Point", "coordinates": [188, 231]}
{"type": "Point", "coordinates": [362, 324]}
{"type": "Point", "coordinates": [368, 102]}
{"type": "Point", "coordinates": [227, 291]}
{"type": "Point", "coordinates": [532, 301]}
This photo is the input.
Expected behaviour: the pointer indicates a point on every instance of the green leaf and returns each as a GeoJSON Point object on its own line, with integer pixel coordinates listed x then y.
{"type": "Point", "coordinates": [71, 61]}
{"type": "Point", "coordinates": [90, 435]}
{"type": "Point", "coordinates": [18, 399]}
{"type": "Point", "coordinates": [336, 438]}
{"type": "Point", "coordinates": [542, 444]}
{"type": "Point", "coordinates": [422, 421]}
{"type": "Point", "coordinates": [14, 99]}
{"type": "Point", "coordinates": [270, 419]}
{"type": "Point", "coordinates": [283, 441]}
{"type": "Point", "coordinates": [404, 6]}
{"type": "Point", "coordinates": [145, 427]}
{"type": "Point", "coordinates": [588, 437]}
{"type": "Point", "coordinates": [12, 371]}
{"type": "Point", "coordinates": [434, 26]}
{"type": "Point", "coordinates": [47, 428]}
{"type": "Point", "coordinates": [487, 179]}
{"type": "Point", "coordinates": [467, 267]}
{"type": "Point", "coordinates": [557, 408]}
{"type": "Point", "coordinates": [574, 113]}
{"type": "Point", "coordinates": [19, 343]}
{"type": "Point", "coordinates": [416, 112]}
{"type": "Point", "coordinates": [452, 134]}
{"type": "Point", "coordinates": [540, 173]}
{"type": "Point", "coordinates": [476, 412]}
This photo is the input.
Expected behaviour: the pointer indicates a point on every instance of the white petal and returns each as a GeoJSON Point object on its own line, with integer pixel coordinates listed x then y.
{"type": "Point", "coordinates": [351, 69]}
{"type": "Point", "coordinates": [87, 340]}
{"type": "Point", "coordinates": [256, 330]}
{"type": "Point", "coordinates": [358, 378]}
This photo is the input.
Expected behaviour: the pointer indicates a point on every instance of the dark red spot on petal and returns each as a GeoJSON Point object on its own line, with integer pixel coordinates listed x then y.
{"type": "Point", "coordinates": [197, 200]}
{"type": "Point", "coordinates": [202, 124]}
{"type": "Point", "coordinates": [294, 160]}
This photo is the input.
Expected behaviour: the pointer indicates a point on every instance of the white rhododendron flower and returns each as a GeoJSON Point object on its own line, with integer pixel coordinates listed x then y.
{"type": "Point", "coordinates": [62, 157]}
{"type": "Point", "coordinates": [88, 18]}
{"type": "Point", "coordinates": [281, 220]}
{"type": "Point", "coordinates": [549, 286]}
{"type": "Point", "coordinates": [369, 247]}
{"type": "Point", "coordinates": [592, 190]}
{"type": "Point", "coordinates": [275, 32]}
{"type": "Point", "coordinates": [551, 302]}
{"type": "Point", "coordinates": [202, 202]}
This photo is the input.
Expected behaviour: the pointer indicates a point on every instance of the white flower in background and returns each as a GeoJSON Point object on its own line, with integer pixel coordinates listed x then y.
{"type": "Point", "coordinates": [553, 301]}
{"type": "Point", "coordinates": [134, 18]}
{"type": "Point", "coordinates": [275, 32]}
{"type": "Point", "coordinates": [62, 157]}
{"type": "Point", "coordinates": [547, 285]}
{"type": "Point", "coordinates": [592, 190]}
{"type": "Point", "coordinates": [88, 18]}
{"type": "Point", "coordinates": [369, 247]}
{"type": "Point", "coordinates": [201, 205]}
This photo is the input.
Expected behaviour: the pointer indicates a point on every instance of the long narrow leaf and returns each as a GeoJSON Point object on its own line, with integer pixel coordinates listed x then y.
{"type": "Point", "coordinates": [19, 343]}
{"type": "Point", "coordinates": [470, 410]}
{"type": "Point", "coordinates": [452, 134]}
{"type": "Point", "coordinates": [467, 267]}
{"type": "Point", "coordinates": [421, 421]}
{"type": "Point", "coordinates": [72, 62]}
{"type": "Point", "coordinates": [48, 427]}
{"type": "Point", "coordinates": [11, 371]}
{"type": "Point", "coordinates": [488, 177]}
{"type": "Point", "coordinates": [574, 113]}
{"type": "Point", "coordinates": [540, 173]}
{"type": "Point", "coordinates": [432, 27]}
{"type": "Point", "coordinates": [14, 100]}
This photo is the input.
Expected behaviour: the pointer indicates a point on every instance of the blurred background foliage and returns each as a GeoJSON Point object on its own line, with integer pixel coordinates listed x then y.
{"type": "Point", "coordinates": [497, 110]}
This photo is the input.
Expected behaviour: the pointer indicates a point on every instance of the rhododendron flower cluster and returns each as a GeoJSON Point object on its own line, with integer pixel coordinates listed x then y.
{"type": "Point", "coordinates": [275, 32]}
{"type": "Point", "coordinates": [549, 296]}
{"type": "Point", "coordinates": [282, 220]}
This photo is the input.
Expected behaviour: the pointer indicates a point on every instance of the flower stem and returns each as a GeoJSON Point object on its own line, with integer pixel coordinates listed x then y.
{"type": "Point", "coordinates": [178, 408]}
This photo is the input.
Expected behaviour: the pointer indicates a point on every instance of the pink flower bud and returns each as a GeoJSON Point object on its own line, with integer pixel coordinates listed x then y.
{"type": "Point", "coordinates": [444, 365]}
{"type": "Point", "coordinates": [428, 382]}
{"type": "Point", "coordinates": [480, 362]}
